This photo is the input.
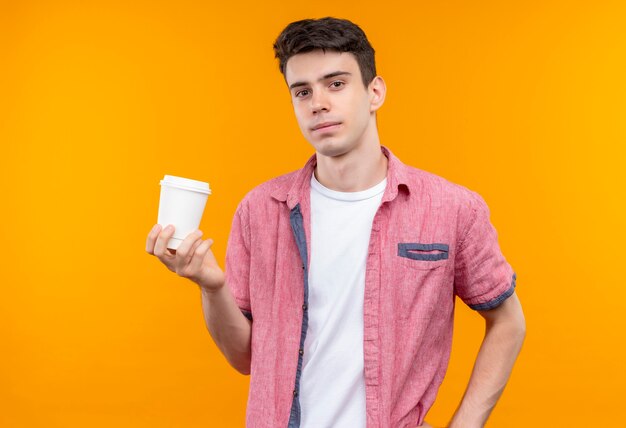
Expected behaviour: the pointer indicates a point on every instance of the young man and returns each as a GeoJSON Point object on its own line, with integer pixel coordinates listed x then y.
{"type": "Point", "coordinates": [340, 283]}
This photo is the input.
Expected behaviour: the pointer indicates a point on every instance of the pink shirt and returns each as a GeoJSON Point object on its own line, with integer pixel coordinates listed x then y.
{"type": "Point", "coordinates": [431, 240]}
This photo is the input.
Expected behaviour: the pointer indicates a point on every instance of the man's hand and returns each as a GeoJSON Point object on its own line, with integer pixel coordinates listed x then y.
{"type": "Point", "coordinates": [193, 259]}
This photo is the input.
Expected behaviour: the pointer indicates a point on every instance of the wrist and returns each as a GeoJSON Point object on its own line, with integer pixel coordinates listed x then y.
{"type": "Point", "coordinates": [210, 291]}
{"type": "Point", "coordinates": [467, 420]}
{"type": "Point", "coordinates": [464, 424]}
{"type": "Point", "coordinates": [466, 417]}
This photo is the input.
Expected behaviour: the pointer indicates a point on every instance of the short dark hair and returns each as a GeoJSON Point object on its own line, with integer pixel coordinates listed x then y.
{"type": "Point", "coordinates": [328, 33]}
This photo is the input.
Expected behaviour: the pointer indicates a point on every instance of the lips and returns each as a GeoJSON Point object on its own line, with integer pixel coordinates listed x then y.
{"type": "Point", "coordinates": [324, 125]}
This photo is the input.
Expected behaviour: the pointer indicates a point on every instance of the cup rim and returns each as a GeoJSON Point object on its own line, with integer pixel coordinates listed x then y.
{"type": "Point", "coordinates": [192, 189]}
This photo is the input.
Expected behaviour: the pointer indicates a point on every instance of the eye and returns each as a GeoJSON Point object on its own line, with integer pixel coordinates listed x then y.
{"type": "Point", "coordinates": [337, 84]}
{"type": "Point", "coordinates": [304, 91]}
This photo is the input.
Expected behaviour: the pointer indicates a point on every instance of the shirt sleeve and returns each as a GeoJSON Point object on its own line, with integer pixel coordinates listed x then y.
{"type": "Point", "coordinates": [483, 278]}
{"type": "Point", "coordinates": [238, 261]}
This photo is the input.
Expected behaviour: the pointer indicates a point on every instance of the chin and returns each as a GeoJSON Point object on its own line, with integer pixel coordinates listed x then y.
{"type": "Point", "coordinates": [331, 148]}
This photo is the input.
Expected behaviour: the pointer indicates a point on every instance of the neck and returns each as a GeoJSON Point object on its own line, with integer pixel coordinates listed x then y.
{"type": "Point", "coordinates": [361, 168]}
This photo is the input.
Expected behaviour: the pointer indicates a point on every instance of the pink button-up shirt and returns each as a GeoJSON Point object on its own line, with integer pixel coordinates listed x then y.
{"type": "Point", "coordinates": [431, 240]}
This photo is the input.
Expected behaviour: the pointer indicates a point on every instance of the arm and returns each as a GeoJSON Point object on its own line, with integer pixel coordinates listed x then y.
{"type": "Point", "coordinates": [504, 335]}
{"type": "Point", "coordinates": [194, 260]}
{"type": "Point", "coordinates": [228, 327]}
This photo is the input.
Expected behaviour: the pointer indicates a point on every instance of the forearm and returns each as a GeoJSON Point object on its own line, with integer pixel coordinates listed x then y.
{"type": "Point", "coordinates": [493, 366]}
{"type": "Point", "coordinates": [228, 327]}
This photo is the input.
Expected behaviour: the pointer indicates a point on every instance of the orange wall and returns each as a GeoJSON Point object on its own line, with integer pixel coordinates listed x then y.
{"type": "Point", "coordinates": [523, 103]}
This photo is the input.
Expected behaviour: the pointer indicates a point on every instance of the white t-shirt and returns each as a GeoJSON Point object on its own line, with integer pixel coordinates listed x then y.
{"type": "Point", "coordinates": [332, 384]}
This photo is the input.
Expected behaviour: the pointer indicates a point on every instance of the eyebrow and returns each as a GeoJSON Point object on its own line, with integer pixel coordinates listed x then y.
{"type": "Point", "coordinates": [328, 76]}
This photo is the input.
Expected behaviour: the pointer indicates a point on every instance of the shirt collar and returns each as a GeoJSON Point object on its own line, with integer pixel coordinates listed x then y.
{"type": "Point", "coordinates": [292, 191]}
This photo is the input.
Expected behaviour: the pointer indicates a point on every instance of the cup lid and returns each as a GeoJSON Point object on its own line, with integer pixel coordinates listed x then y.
{"type": "Point", "coordinates": [186, 183]}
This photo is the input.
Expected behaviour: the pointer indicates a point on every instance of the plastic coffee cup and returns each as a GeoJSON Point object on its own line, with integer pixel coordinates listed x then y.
{"type": "Point", "coordinates": [181, 204]}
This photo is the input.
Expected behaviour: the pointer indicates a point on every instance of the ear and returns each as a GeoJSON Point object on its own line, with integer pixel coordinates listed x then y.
{"type": "Point", "coordinates": [376, 92]}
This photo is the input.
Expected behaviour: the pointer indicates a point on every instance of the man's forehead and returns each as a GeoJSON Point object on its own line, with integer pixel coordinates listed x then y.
{"type": "Point", "coordinates": [313, 65]}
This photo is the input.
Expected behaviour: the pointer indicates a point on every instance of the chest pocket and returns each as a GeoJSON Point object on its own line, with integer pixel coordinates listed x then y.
{"type": "Point", "coordinates": [422, 278]}
{"type": "Point", "coordinates": [423, 256]}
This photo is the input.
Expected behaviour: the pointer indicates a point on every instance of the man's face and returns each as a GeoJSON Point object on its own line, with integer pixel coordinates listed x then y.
{"type": "Point", "coordinates": [326, 89]}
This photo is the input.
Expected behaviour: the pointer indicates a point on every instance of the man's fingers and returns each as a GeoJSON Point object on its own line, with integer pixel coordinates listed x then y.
{"type": "Point", "coordinates": [186, 248]}
{"type": "Point", "coordinates": [187, 259]}
{"type": "Point", "coordinates": [196, 262]}
{"type": "Point", "coordinates": [152, 237]}
{"type": "Point", "coordinates": [161, 243]}
{"type": "Point", "coordinates": [194, 247]}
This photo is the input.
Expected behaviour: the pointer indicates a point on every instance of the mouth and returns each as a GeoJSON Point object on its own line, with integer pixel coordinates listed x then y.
{"type": "Point", "coordinates": [330, 126]}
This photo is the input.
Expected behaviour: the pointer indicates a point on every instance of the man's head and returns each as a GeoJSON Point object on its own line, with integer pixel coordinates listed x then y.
{"type": "Point", "coordinates": [333, 34]}
{"type": "Point", "coordinates": [328, 65]}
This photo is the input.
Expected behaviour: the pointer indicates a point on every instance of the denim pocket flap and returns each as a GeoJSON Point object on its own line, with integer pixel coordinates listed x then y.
{"type": "Point", "coordinates": [418, 251]}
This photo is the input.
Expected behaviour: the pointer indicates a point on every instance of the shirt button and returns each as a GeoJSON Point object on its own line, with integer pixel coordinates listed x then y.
{"type": "Point", "coordinates": [295, 393]}
{"type": "Point", "coordinates": [301, 351]}
{"type": "Point", "coordinates": [303, 267]}
{"type": "Point", "coordinates": [304, 307]}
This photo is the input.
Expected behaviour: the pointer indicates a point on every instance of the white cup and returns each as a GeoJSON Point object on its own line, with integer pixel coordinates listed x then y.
{"type": "Point", "coordinates": [182, 204]}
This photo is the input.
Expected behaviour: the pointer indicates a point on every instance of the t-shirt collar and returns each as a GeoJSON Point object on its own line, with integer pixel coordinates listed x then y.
{"type": "Point", "coordinates": [293, 192]}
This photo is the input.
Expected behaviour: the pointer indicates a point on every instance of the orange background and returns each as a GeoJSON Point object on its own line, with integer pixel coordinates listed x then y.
{"type": "Point", "coordinates": [524, 103]}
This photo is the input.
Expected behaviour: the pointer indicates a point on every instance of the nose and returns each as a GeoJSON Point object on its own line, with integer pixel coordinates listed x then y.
{"type": "Point", "coordinates": [319, 101]}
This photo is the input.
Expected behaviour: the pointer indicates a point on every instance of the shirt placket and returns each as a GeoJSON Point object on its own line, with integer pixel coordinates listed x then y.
{"type": "Point", "coordinates": [297, 225]}
{"type": "Point", "coordinates": [371, 320]}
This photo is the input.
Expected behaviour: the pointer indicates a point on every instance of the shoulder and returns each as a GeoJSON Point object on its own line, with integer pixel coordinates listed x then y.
{"type": "Point", "coordinates": [449, 199]}
{"type": "Point", "coordinates": [270, 191]}
{"type": "Point", "coordinates": [441, 190]}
